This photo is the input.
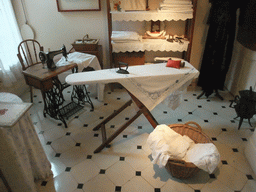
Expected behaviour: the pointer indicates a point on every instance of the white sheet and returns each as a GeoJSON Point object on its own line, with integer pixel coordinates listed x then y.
{"type": "Point", "coordinates": [125, 36]}
{"type": "Point", "coordinates": [166, 143]}
{"type": "Point", "coordinates": [204, 155]}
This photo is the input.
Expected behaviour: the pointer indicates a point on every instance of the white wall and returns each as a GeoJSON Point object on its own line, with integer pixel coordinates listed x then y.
{"type": "Point", "coordinates": [53, 29]}
{"type": "Point", "coordinates": [200, 32]}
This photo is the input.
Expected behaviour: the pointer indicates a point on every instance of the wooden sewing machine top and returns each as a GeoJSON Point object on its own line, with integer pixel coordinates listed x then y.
{"type": "Point", "coordinates": [41, 78]}
{"type": "Point", "coordinates": [41, 73]}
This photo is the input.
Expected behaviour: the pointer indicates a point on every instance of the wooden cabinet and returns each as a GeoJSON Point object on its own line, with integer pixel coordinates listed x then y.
{"type": "Point", "coordinates": [127, 50]}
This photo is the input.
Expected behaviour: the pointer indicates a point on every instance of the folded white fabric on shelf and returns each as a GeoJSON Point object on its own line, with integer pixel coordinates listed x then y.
{"type": "Point", "coordinates": [166, 143]}
{"type": "Point", "coordinates": [204, 155]}
{"type": "Point", "coordinates": [174, 5]}
{"type": "Point", "coordinates": [125, 36]}
{"type": "Point", "coordinates": [177, 1]}
{"type": "Point", "coordinates": [176, 9]}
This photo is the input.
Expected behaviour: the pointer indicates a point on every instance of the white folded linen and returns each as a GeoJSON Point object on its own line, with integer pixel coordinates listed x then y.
{"type": "Point", "coordinates": [166, 143]}
{"type": "Point", "coordinates": [204, 155]}
{"type": "Point", "coordinates": [176, 5]}
{"type": "Point", "coordinates": [126, 41]}
{"type": "Point", "coordinates": [175, 10]}
{"type": "Point", "coordinates": [125, 36]}
{"type": "Point", "coordinates": [177, 1]}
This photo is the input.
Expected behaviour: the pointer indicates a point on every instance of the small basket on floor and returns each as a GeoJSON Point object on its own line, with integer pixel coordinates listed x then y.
{"type": "Point", "coordinates": [179, 168]}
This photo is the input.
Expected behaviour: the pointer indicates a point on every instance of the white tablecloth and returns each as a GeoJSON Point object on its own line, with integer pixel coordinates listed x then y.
{"type": "Point", "coordinates": [85, 60]}
{"type": "Point", "coordinates": [22, 158]}
{"type": "Point", "coordinates": [9, 97]}
{"type": "Point", "coordinates": [151, 84]}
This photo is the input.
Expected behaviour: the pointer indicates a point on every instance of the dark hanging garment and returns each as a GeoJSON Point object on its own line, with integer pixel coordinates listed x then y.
{"type": "Point", "coordinates": [246, 34]}
{"type": "Point", "coordinates": [219, 45]}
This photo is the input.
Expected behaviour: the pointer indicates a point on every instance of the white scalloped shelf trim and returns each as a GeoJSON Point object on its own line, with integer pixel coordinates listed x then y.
{"type": "Point", "coordinates": [150, 15]}
{"type": "Point", "coordinates": [150, 45]}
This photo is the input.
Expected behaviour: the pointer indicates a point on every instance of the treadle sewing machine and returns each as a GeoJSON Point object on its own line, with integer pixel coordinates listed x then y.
{"type": "Point", "coordinates": [48, 57]}
{"type": "Point", "coordinates": [46, 79]}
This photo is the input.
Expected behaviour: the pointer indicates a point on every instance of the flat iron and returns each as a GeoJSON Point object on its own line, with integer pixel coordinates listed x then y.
{"type": "Point", "coordinates": [122, 71]}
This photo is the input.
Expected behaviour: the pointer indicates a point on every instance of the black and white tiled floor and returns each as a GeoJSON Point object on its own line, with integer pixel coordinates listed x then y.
{"type": "Point", "coordinates": [126, 165]}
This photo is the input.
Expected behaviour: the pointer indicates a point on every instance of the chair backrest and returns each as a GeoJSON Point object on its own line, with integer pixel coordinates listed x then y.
{"type": "Point", "coordinates": [28, 53]}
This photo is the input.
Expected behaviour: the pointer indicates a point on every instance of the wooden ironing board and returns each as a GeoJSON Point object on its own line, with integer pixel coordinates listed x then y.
{"type": "Point", "coordinates": [133, 83]}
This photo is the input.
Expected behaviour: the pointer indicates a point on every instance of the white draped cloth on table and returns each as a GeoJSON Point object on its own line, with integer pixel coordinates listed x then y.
{"type": "Point", "coordinates": [22, 157]}
{"type": "Point", "coordinates": [151, 84]}
{"type": "Point", "coordinates": [84, 60]}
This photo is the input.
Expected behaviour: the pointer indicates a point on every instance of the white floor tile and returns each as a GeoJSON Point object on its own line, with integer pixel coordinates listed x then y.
{"type": "Point", "coordinates": [137, 184]}
{"type": "Point", "coordinates": [100, 183]}
{"type": "Point", "coordinates": [232, 178]}
{"type": "Point", "coordinates": [120, 178]}
{"type": "Point", "coordinates": [156, 176]}
{"type": "Point", "coordinates": [65, 182]}
{"type": "Point", "coordinates": [78, 169]}
{"type": "Point", "coordinates": [85, 171]}
{"type": "Point", "coordinates": [215, 185]}
{"type": "Point", "coordinates": [176, 185]}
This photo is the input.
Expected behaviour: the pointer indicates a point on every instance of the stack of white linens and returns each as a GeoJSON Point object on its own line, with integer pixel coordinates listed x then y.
{"type": "Point", "coordinates": [125, 36]}
{"type": "Point", "coordinates": [176, 6]}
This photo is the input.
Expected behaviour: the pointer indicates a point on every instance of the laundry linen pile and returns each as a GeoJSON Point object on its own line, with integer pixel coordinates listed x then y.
{"type": "Point", "coordinates": [176, 6]}
{"type": "Point", "coordinates": [165, 143]}
{"type": "Point", "coordinates": [125, 36]}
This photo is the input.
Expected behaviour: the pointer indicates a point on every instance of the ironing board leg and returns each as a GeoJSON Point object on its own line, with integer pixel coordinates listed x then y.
{"type": "Point", "coordinates": [142, 109]}
{"type": "Point", "coordinates": [113, 115]}
{"type": "Point", "coordinates": [115, 134]}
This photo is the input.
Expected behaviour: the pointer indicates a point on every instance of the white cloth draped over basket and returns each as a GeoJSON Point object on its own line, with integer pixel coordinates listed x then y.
{"type": "Point", "coordinates": [166, 143]}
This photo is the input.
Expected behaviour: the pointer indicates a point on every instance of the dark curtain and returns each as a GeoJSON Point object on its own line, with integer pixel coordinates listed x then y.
{"type": "Point", "coordinates": [246, 34]}
{"type": "Point", "coordinates": [219, 45]}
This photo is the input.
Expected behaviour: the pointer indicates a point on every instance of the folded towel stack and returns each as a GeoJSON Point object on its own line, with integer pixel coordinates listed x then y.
{"type": "Point", "coordinates": [181, 6]}
{"type": "Point", "coordinates": [166, 143]}
{"type": "Point", "coordinates": [125, 36]}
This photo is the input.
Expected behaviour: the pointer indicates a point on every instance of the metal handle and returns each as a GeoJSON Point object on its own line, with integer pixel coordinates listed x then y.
{"type": "Point", "coordinates": [87, 37]}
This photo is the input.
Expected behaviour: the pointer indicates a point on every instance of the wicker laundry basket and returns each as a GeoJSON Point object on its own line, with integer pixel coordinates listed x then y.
{"type": "Point", "coordinates": [179, 168]}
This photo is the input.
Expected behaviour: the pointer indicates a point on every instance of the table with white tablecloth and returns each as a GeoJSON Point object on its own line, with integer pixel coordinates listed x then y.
{"type": "Point", "coordinates": [84, 60]}
{"type": "Point", "coordinates": [22, 157]}
{"type": "Point", "coordinates": [148, 85]}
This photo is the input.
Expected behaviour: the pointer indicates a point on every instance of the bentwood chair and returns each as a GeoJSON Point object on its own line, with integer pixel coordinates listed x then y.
{"type": "Point", "coordinates": [28, 54]}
